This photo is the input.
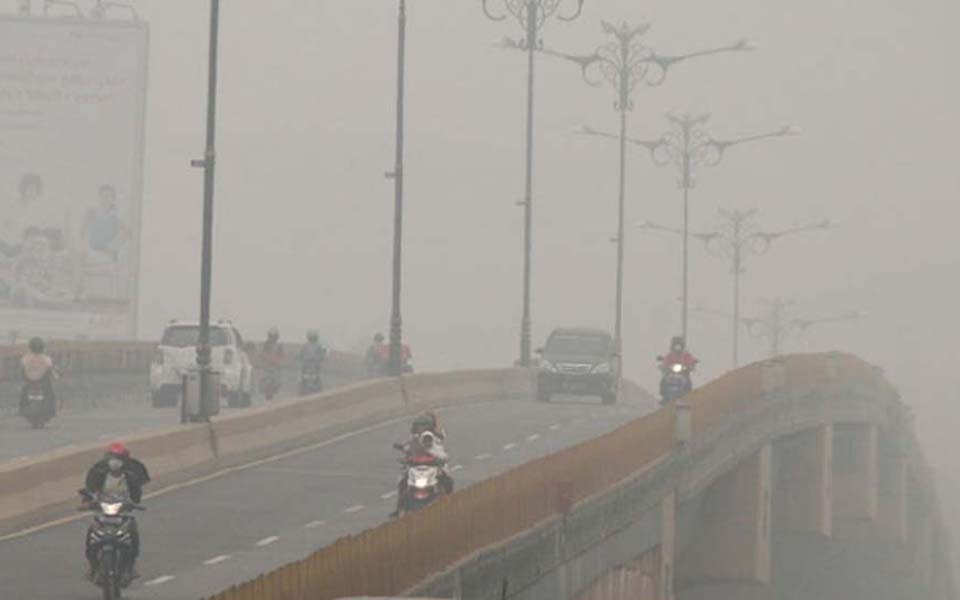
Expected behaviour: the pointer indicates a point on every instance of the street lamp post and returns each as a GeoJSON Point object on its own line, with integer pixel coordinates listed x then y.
{"type": "Point", "coordinates": [775, 323]}
{"type": "Point", "coordinates": [738, 237]}
{"type": "Point", "coordinates": [624, 62]}
{"type": "Point", "coordinates": [688, 147]}
{"type": "Point", "coordinates": [207, 163]}
{"type": "Point", "coordinates": [531, 15]}
{"type": "Point", "coordinates": [396, 322]}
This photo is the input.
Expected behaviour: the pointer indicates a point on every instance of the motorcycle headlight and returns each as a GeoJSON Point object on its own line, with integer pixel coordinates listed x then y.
{"type": "Point", "coordinates": [602, 368]}
{"type": "Point", "coordinates": [678, 368]}
{"type": "Point", "coordinates": [111, 508]}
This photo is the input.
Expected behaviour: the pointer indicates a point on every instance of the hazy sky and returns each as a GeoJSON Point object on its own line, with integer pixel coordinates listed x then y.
{"type": "Point", "coordinates": [304, 215]}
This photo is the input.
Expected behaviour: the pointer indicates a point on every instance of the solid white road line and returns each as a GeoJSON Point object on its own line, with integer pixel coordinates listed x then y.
{"type": "Point", "coordinates": [267, 541]}
{"type": "Point", "coordinates": [314, 524]}
{"type": "Point", "coordinates": [216, 559]}
{"type": "Point", "coordinates": [509, 446]}
{"type": "Point", "coordinates": [533, 438]}
{"type": "Point", "coordinates": [354, 509]}
{"type": "Point", "coordinates": [389, 495]}
{"type": "Point", "coordinates": [159, 580]}
{"type": "Point", "coordinates": [483, 456]}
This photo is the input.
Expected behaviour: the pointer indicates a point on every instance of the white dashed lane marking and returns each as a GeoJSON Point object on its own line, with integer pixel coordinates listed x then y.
{"type": "Point", "coordinates": [454, 469]}
{"type": "Point", "coordinates": [533, 438]}
{"type": "Point", "coordinates": [389, 495]}
{"type": "Point", "coordinates": [554, 427]}
{"type": "Point", "coordinates": [483, 456]}
{"type": "Point", "coordinates": [510, 446]}
{"type": "Point", "coordinates": [354, 509]}
{"type": "Point", "coordinates": [159, 580]}
{"type": "Point", "coordinates": [314, 524]}
{"type": "Point", "coordinates": [217, 559]}
{"type": "Point", "coordinates": [267, 541]}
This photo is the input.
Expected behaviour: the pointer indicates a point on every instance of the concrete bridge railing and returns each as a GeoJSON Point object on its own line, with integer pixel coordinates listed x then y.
{"type": "Point", "coordinates": [752, 488]}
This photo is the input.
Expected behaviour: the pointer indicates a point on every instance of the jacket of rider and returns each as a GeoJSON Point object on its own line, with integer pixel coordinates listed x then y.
{"type": "Point", "coordinates": [134, 471]}
{"type": "Point", "coordinates": [36, 367]}
{"type": "Point", "coordinates": [684, 358]}
{"type": "Point", "coordinates": [312, 354]}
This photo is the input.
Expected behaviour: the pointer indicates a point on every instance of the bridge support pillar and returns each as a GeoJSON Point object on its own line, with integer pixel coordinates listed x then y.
{"type": "Point", "coordinates": [855, 480]}
{"type": "Point", "coordinates": [892, 497]}
{"type": "Point", "coordinates": [731, 547]}
{"type": "Point", "coordinates": [803, 482]}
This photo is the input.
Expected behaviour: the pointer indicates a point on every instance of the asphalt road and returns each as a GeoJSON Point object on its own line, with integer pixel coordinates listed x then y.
{"type": "Point", "coordinates": [202, 538]}
{"type": "Point", "coordinates": [18, 440]}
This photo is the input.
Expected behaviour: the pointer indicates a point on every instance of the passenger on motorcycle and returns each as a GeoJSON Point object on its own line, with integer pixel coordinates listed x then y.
{"type": "Point", "coordinates": [272, 355]}
{"type": "Point", "coordinates": [120, 475]}
{"type": "Point", "coordinates": [37, 367]}
{"type": "Point", "coordinates": [426, 439]}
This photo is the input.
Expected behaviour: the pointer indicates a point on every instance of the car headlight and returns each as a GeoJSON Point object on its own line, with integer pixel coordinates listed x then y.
{"type": "Point", "coordinates": [677, 368]}
{"type": "Point", "coordinates": [111, 509]}
{"type": "Point", "coordinates": [602, 368]}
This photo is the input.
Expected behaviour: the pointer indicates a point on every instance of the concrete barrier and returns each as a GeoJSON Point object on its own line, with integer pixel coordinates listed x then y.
{"type": "Point", "coordinates": [43, 483]}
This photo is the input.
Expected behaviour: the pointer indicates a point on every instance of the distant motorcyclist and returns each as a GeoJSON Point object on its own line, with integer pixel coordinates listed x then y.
{"type": "Point", "coordinates": [312, 356]}
{"type": "Point", "coordinates": [36, 367]}
{"type": "Point", "coordinates": [271, 358]}
{"type": "Point", "coordinates": [377, 357]}
{"type": "Point", "coordinates": [120, 475]}
{"type": "Point", "coordinates": [678, 355]}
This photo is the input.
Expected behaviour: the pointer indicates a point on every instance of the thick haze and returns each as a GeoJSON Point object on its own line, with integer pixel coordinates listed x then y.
{"type": "Point", "coordinates": [304, 214]}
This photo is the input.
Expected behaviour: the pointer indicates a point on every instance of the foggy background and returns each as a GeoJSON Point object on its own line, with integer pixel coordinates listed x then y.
{"type": "Point", "coordinates": [304, 215]}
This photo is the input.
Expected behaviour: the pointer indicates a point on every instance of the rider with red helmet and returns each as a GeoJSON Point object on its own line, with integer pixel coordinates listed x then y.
{"type": "Point", "coordinates": [117, 474]}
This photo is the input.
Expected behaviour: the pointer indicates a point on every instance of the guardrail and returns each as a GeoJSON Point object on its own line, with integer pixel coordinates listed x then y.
{"type": "Point", "coordinates": [398, 555]}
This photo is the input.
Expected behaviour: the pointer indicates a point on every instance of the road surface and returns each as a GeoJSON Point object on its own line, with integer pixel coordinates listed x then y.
{"type": "Point", "coordinates": [204, 537]}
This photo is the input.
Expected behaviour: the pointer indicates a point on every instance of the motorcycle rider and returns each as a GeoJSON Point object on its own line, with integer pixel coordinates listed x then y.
{"type": "Point", "coordinates": [420, 444]}
{"type": "Point", "coordinates": [312, 356]}
{"type": "Point", "coordinates": [378, 354]}
{"type": "Point", "coordinates": [37, 367]}
{"type": "Point", "coordinates": [271, 360]}
{"type": "Point", "coordinates": [678, 355]}
{"type": "Point", "coordinates": [117, 474]}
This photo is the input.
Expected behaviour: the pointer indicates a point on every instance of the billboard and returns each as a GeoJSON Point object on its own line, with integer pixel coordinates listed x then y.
{"type": "Point", "coordinates": [72, 104]}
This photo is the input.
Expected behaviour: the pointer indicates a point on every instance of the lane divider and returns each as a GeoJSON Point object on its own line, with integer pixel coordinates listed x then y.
{"type": "Point", "coordinates": [267, 541]}
{"type": "Point", "coordinates": [314, 524]}
{"type": "Point", "coordinates": [159, 580]}
{"type": "Point", "coordinates": [354, 509]}
{"type": "Point", "coordinates": [216, 560]}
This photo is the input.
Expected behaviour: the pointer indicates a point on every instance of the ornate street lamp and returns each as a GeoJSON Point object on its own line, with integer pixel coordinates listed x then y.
{"type": "Point", "coordinates": [532, 15]}
{"type": "Point", "coordinates": [689, 147]}
{"type": "Point", "coordinates": [738, 237]}
{"type": "Point", "coordinates": [624, 62]}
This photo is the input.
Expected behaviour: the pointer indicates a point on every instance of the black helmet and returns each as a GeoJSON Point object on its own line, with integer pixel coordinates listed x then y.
{"type": "Point", "coordinates": [36, 345]}
{"type": "Point", "coordinates": [422, 423]}
{"type": "Point", "coordinates": [677, 343]}
{"type": "Point", "coordinates": [312, 336]}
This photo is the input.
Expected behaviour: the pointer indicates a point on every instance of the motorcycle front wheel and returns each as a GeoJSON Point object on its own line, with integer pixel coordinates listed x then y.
{"type": "Point", "coordinates": [109, 577]}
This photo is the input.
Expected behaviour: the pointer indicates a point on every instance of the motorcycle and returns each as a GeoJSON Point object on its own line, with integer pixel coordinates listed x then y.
{"type": "Point", "coordinates": [424, 474]}
{"type": "Point", "coordinates": [676, 382]}
{"type": "Point", "coordinates": [310, 382]}
{"type": "Point", "coordinates": [111, 534]}
{"type": "Point", "coordinates": [270, 384]}
{"type": "Point", "coordinates": [35, 404]}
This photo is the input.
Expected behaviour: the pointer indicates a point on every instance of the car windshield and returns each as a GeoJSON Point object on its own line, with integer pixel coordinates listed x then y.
{"type": "Point", "coordinates": [589, 345]}
{"type": "Point", "coordinates": [185, 336]}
